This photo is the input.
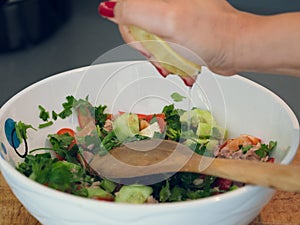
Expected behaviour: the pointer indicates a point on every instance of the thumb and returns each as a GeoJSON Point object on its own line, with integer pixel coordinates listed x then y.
{"type": "Point", "coordinates": [146, 14]}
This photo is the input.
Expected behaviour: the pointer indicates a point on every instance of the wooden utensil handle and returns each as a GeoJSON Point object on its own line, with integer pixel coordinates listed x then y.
{"type": "Point", "coordinates": [273, 175]}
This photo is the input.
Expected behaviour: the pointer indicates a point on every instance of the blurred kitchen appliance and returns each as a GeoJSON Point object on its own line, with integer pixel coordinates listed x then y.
{"type": "Point", "coordinates": [27, 22]}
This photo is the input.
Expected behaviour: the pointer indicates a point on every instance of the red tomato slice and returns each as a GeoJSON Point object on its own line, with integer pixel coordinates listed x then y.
{"type": "Point", "coordinates": [108, 199]}
{"type": "Point", "coordinates": [147, 117]}
{"type": "Point", "coordinates": [271, 160]}
{"type": "Point", "coordinates": [66, 130]}
{"type": "Point", "coordinates": [109, 116]}
{"type": "Point", "coordinates": [161, 116]}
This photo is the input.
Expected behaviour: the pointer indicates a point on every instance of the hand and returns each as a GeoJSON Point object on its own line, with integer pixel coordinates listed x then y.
{"type": "Point", "coordinates": [201, 26]}
{"type": "Point", "coordinates": [228, 40]}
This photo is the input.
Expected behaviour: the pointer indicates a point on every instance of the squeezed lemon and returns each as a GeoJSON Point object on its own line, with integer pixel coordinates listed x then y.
{"type": "Point", "coordinates": [165, 55]}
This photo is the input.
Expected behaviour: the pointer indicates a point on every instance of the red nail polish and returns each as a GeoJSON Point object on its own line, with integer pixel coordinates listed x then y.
{"type": "Point", "coordinates": [162, 71]}
{"type": "Point", "coordinates": [188, 81]}
{"type": "Point", "coordinates": [106, 9]}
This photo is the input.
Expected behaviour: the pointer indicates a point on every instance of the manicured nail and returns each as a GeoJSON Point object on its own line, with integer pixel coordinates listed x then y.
{"type": "Point", "coordinates": [161, 70]}
{"type": "Point", "coordinates": [189, 81]}
{"type": "Point", "coordinates": [106, 9]}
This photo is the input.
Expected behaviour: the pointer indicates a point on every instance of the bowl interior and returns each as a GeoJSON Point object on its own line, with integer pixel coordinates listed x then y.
{"type": "Point", "coordinates": [242, 106]}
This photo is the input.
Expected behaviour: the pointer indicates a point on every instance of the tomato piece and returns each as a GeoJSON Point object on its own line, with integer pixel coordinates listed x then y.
{"type": "Point", "coordinates": [224, 184]}
{"type": "Point", "coordinates": [144, 117]}
{"type": "Point", "coordinates": [66, 130]}
{"type": "Point", "coordinates": [147, 117]}
{"type": "Point", "coordinates": [160, 115]}
{"type": "Point", "coordinates": [121, 112]}
{"type": "Point", "coordinates": [108, 199]}
{"type": "Point", "coordinates": [109, 116]}
{"type": "Point", "coordinates": [254, 140]}
{"type": "Point", "coordinates": [271, 160]}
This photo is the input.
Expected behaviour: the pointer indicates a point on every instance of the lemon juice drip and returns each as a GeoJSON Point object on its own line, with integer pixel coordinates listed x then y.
{"type": "Point", "coordinates": [189, 108]}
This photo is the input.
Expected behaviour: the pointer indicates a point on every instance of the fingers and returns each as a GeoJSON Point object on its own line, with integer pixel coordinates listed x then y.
{"type": "Point", "coordinates": [128, 38]}
{"type": "Point", "coordinates": [148, 14]}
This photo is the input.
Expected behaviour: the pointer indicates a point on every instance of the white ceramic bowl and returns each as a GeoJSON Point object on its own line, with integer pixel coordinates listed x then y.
{"type": "Point", "coordinates": [239, 104]}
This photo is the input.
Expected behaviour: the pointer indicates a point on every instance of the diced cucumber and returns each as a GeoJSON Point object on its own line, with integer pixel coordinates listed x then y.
{"type": "Point", "coordinates": [126, 126]}
{"type": "Point", "coordinates": [136, 194]}
{"type": "Point", "coordinates": [212, 131]}
{"type": "Point", "coordinates": [195, 116]}
{"type": "Point", "coordinates": [204, 130]}
{"type": "Point", "coordinates": [95, 192]}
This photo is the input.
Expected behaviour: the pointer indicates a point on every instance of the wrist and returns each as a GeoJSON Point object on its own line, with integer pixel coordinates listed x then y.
{"type": "Point", "coordinates": [244, 49]}
{"type": "Point", "coordinates": [231, 42]}
{"type": "Point", "coordinates": [267, 44]}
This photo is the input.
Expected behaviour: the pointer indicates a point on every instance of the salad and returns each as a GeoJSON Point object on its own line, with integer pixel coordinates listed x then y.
{"type": "Point", "coordinates": [64, 165]}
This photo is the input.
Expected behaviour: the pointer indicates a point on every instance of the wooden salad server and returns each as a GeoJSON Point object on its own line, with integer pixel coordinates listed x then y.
{"type": "Point", "coordinates": [156, 156]}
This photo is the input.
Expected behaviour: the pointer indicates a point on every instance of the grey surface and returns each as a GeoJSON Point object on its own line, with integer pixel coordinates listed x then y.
{"type": "Point", "coordinates": [86, 36]}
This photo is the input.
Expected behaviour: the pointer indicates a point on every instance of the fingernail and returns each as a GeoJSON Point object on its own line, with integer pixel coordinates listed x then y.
{"type": "Point", "coordinates": [189, 81]}
{"type": "Point", "coordinates": [106, 9]}
{"type": "Point", "coordinates": [161, 70]}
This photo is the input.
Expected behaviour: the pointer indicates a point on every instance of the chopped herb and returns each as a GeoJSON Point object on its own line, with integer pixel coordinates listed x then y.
{"type": "Point", "coordinates": [54, 115]}
{"type": "Point", "coordinates": [173, 129]}
{"type": "Point", "coordinates": [60, 175]}
{"type": "Point", "coordinates": [68, 106]}
{"type": "Point", "coordinates": [245, 148]}
{"type": "Point", "coordinates": [177, 97]}
{"type": "Point", "coordinates": [44, 115]}
{"type": "Point", "coordinates": [43, 125]}
{"type": "Point", "coordinates": [21, 130]}
{"type": "Point", "coordinates": [61, 143]}
{"type": "Point", "coordinates": [266, 149]}
{"type": "Point", "coordinates": [165, 192]}
{"type": "Point", "coordinates": [100, 116]}
{"type": "Point", "coordinates": [67, 111]}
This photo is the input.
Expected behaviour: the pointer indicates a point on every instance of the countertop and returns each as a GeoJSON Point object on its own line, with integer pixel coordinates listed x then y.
{"type": "Point", "coordinates": [283, 209]}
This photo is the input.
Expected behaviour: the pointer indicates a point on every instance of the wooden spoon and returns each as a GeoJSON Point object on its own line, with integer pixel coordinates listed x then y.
{"type": "Point", "coordinates": [157, 156]}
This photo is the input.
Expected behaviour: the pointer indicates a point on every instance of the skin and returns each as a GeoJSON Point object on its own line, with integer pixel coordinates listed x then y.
{"type": "Point", "coordinates": [228, 40]}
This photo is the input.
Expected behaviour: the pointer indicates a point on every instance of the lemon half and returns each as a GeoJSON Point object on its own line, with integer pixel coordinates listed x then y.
{"type": "Point", "coordinates": [164, 54]}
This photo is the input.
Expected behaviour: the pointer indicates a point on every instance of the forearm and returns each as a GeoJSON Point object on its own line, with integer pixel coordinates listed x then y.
{"type": "Point", "coordinates": [269, 44]}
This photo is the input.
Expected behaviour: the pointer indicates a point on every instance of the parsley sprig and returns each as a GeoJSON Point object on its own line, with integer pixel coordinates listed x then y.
{"type": "Point", "coordinates": [49, 118]}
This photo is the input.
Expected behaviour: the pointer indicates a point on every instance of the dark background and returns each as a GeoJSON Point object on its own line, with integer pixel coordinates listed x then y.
{"type": "Point", "coordinates": [84, 36]}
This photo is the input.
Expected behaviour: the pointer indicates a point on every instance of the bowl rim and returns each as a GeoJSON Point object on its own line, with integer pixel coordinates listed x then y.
{"type": "Point", "coordinates": [7, 169]}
